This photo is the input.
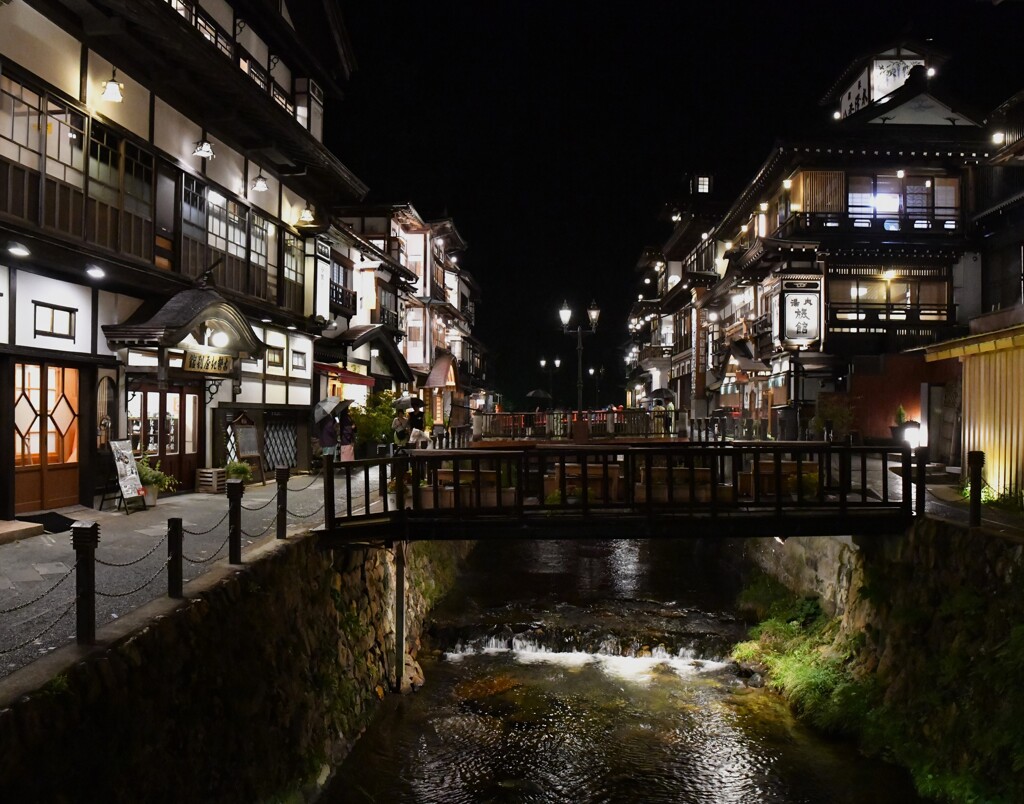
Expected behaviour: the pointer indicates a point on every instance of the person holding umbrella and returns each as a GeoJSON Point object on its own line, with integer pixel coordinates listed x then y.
{"type": "Point", "coordinates": [346, 435]}
{"type": "Point", "coordinates": [417, 436]}
{"type": "Point", "coordinates": [328, 435]}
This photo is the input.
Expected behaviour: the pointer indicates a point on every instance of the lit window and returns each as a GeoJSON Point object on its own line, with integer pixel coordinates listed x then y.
{"type": "Point", "coordinates": [703, 184]}
{"type": "Point", "coordinates": [298, 360]}
{"type": "Point", "coordinates": [58, 322]}
{"type": "Point", "coordinates": [275, 356]}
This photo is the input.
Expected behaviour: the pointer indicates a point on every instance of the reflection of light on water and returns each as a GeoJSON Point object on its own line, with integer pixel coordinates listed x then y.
{"type": "Point", "coordinates": [638, 669]}
{"type": "Point", "coordinates": [625, 567]}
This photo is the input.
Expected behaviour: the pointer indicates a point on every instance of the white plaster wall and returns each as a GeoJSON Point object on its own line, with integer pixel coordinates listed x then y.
{"type": "Point", "coordinates": [227, 168]}
{"type": "Point", "coordinates": [248, 39]}
{"type": "Point", "coordinates": [114, 308]}
{"type": "Point", "coordinates": [221, 12]}
{"type": "Point", "coordinates": [176, 134]}
{"type": "Point", "coordinates": [29, 39]}
{"type": "Point", "coordinates": [291, 206]}
{"type": "Point", "coordinates": [5, 303]}
{"type": "Point", "coordinates": [133, 112]}
{"type": "Point", "coordinates": [32, 287]}
{"type": "Point", "coordinates": [277, 393]}
{"type": "Point", "coordinates": [282, 75]}
{"type": "Point", "coordinates": [252, 390]}
{"type": "Point", "coordinates": [300, 394]}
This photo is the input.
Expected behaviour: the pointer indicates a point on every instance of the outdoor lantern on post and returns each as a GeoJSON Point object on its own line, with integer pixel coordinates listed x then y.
{"type": "Point", "coordinates": [550, 372]}
{"type": "Point", "coordinates": [565, 314]}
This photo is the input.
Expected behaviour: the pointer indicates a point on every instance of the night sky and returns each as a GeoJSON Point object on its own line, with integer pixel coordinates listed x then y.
{"type": "Point", "coordinates": [554, 133]}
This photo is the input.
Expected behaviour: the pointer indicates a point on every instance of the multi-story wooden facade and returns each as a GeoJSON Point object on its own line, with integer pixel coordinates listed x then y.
{"type": "Point", "coordinates": [850, 246]}
{"type": "Point", "coordinates": [168, 259]}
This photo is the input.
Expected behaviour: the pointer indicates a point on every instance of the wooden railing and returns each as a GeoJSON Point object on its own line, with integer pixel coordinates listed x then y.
{"type": "Point", "coordinates": [801, 487]}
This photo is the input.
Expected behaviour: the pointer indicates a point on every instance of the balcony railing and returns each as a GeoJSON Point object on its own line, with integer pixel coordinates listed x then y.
{"type": "Point", "coordinates": [655, 352]}
{"type": "Point", "coordinates": [389, 318]}
{"type": "Point", "coordinates": [343, 299]}
{"type": "Point", "coordinates": [939, 221]}
{"type": "Point", "coordinates": [874, 316]}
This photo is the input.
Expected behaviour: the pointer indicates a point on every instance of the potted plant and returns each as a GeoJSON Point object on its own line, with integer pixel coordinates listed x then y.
{"type": "Point", "coordinates": [238, 470]}
{"type": "Point", "coordinates": [153, 480]}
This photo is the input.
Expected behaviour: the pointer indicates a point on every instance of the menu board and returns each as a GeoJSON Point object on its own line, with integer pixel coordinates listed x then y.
{"type": "Point", "coordinates": [127, 471]}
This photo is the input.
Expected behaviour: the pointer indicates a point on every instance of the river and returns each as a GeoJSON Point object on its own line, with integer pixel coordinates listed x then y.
{"type": "Point", "coordinates": [586, 672]}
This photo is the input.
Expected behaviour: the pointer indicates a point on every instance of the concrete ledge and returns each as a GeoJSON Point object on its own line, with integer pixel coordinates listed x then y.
{"type": "Point", "coordinates": [12, 530]}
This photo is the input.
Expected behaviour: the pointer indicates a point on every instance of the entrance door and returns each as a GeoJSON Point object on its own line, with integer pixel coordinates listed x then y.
{"type": "Point", "coordinates": [45, 437]}
{"type": "Point", "coordinates": [164, 425]}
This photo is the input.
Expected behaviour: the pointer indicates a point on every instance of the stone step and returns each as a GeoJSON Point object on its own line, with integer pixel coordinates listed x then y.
{"type": "Point", "coordinates": [12, 530]}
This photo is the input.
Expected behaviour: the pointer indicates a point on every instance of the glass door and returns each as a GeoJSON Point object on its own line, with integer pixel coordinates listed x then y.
{"type": "Point", "coordinates": [165, 427]}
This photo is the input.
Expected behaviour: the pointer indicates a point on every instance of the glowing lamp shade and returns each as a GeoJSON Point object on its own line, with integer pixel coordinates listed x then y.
{"type": "Point", "coordinates": [112, 89]}
{"type": "Point", "coordinates": [259, 184]}
{"type": "Point", "coordinates": [593, 313]}
{"type": "Point", "coordinates": [18, 250]}
{"type": "Point", "coordinates": [95, 272]}
{"type": "Point", "coordinates": [912, 434]}
{"type": "Point", "coordinates": [565, 314]}
{"type": "Point", "coordinates": [220, 339]}
{"type": "Point", "coordinates": [204, 150]}
{"type": "Point", "coordinates": [306, 216]}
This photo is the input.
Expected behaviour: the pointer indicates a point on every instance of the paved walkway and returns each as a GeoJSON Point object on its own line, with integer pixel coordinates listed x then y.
{"type": "Point", "coordinates": [37, 583]}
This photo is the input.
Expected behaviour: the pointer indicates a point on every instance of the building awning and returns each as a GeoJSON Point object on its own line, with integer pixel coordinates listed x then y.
{"type": "Point", "coordinates": [742, 351]}
{"type": "Point", "coordinates": [189, 312]}
{"type": "Point", "coordinates": [442, 373]}
{"type": "Point", "coordinates": [363, 334]}
{"type": "Point", "coordinates": [343, 374]}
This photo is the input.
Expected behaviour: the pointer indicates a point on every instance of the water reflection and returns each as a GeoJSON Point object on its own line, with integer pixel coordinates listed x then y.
{"type": "Point", "coordinates": [579, 684]}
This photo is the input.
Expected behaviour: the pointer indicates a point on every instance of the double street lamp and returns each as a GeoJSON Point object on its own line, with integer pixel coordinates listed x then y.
{"type": "Point", "coordinates": [597, 374]}
{"type": "Point", "coordinates": [550, 372]}
{"type": "Point", "coordinates": [565, 314]}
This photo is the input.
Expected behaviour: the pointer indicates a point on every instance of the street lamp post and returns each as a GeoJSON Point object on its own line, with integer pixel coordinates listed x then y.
{"type": "Point", "coordinates": [597, 374]}
{"type": "Point", "coordinates": [551, 373]}
{"type": "Point", "coordinates": [565, 314]}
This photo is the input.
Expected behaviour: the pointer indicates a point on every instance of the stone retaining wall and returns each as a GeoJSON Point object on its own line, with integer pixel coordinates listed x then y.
{"type": "Point", "coordinates": [250, 690]}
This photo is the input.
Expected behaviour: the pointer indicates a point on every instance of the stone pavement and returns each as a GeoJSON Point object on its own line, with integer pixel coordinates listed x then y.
{"type": "Point", "coordinates": [37, 584]}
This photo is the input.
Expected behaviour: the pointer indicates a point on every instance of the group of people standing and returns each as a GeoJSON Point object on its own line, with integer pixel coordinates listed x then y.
{"type": "Point", "coordinates": [410, 429]}
{"type": "Point", "coordinates": [338, 437]}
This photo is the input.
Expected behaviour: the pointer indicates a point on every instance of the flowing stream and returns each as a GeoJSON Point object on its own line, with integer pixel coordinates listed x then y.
{"type": "Point", "coordinates": [586, 672]}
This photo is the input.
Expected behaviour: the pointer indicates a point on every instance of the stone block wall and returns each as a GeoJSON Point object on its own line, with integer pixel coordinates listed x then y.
{"type": "Point", "coordinates": [250, 690]}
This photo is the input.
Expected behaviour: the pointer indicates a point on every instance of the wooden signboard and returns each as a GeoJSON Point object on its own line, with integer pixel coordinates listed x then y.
{"type": "Point", "coordinates": [127, 474]}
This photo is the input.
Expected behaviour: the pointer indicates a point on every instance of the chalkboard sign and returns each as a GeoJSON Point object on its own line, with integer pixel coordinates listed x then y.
{"type": "Point", "coordinates": [127, 471]}
{"type": "Point", "coordinates": [245, 441]}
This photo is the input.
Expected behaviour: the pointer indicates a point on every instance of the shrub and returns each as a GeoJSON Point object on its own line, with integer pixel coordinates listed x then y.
{"type": "Point", "coordinates": [152, 476]}
{"type": "Point", "coordinates": [238, 470]}
{"type": "Point", "coordinates": [373, 421]}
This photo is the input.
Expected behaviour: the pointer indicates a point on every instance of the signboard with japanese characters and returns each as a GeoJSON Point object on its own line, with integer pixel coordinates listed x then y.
{"type": "Point", "coordinates": [127, 470]}
{"type": "Point", "coordinates": [801, 312]}
{"type": "Point", "coordinates": [207, 363]}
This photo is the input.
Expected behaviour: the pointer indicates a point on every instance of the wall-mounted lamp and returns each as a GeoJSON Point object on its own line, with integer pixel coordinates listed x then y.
{"type": "Point", "coordinates": [712, 316]}
{"type": "Point", "coordinates": [259, 184]}
{"type": "Point", "coordinates": [306, 216]}
{"type": "Point", "coordinates": [900, 174]}
{"type": "Point", "coordinates": [375, 353]}
{"type": "Point", "coordinates": [95, 272]}
{"type": "Point", "coordinates": [763, 206]}
{"type": "Point", "coordinates": [112, 89]}
{"type": "Point", "coordinates": [18, 249]}
{"type": "Point", "coordinates": [454, 259]}
{"type": "Point", "coordinates": [220, 339]}
{"type": "Point", "coordinates": [999, 138]}
{"type": "Point", "coordinates": [836, 114]}
{"type": "Point", "coordinates": [787, 183]}
{"type": "Point", "coordinates": [204, 150]}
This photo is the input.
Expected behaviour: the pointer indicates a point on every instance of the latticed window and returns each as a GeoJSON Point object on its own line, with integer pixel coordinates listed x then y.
{"type": "Point", "coordinates": [193, 226]}
{"type": "Point", "coordinates": [137, 234]}
{"type": "Point", "coordinates": [293, 274]}
{"type": "Point", "coordinates": [103, 205]}
{"type": "Point", "coordinates": [19, 150]}
{"type": "Point", "coordinates": [64, 196]}
{"type": "Point", "coordinates": [259, 242]}
{"type": "Point", "coordinates": [227, 234]}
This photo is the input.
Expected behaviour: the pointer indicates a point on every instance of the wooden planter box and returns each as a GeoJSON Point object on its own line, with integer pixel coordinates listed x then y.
{"type": "Point", "coordinates": [211, 481]}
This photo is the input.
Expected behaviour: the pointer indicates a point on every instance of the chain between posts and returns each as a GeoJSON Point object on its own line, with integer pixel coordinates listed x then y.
{"type": "Point", "coordinates": [152, 578]}
{"type": "Point", "coordinates": [48, 628]}
{"type": "Point", "coordinates": [260, 507]}
{"type": "Point", "coordinates": [27, 603]}
{"type": "Point", "coordinates": [210, 558]}
{"type": "Point", "coordinates": [204, 532]}
{"type": "Point", "coordinates": [263, 532]}
{"type": "Point", "coordinates": [136, 561]}
{"type": "Point", "coordinates": [310, 483]}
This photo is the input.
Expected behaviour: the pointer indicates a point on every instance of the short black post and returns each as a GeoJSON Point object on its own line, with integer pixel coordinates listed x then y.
{"type": "Point", "coordinates": [922, 479]}
{"type": "Point", "coordinates": [281, 475]}
{"type": "Point", "coordinates": [85, 537]}
{"type": "Point", "coordinates": [236, 488]}
{"type": "Point", "coordinates": [174, 555]}
{"type": "Point", "coordinates": [329, 492]}
{"type": "Point", "coordinates": [975, 463]}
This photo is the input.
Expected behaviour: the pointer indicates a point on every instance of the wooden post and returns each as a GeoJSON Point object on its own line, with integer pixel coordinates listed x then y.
{"type": "Point", "coordinates": [922, 479]}
{"type": "Point", "coordinates": [975, 463]}
{"type": "Point", "coordinates": [281, 477]}
{"type": "Point", "coordinates": [329, 493]}
{"type": "Point", "coordinates": [85, 537]}
{"type": "Point", "coordinates": [174, 553]}
{"type": "Point", "coordinates": [236, 488]}
{"type": "Point", "coordinates": [399, 613]}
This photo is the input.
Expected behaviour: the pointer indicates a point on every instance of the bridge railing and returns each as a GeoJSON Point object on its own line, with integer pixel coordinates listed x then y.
{"type": "Point", "coordinates": [655, 477]}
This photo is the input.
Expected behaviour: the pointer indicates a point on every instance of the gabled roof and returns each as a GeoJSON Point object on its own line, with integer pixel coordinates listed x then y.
{"type": "Point", "coordinates": [896, 49]}
{"type": "Point", "coordinates": [919, 101]}
{"type": "Point", "coordinates": [445, 227]}
{"type": "Point", "coordinates": [328, 348]}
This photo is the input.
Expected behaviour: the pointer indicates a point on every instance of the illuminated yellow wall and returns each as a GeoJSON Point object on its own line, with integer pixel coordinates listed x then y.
{"type": "Point", "coordinates": [993, 415]}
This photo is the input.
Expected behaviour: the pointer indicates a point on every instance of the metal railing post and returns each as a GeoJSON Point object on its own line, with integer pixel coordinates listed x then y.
{"type": "Point", "coordinates": [85, 537]}
{"type": "Point", "coordinates": [329, 492]}
{"type": "Point", "coordinates": [906, 475]}
{"type": "Point", "coordinates": [922, 479]}
{"type": "Point", "coordinates": [975, 463]}
{"type": "Point", "coordinates": [174, 553]}
{"type": "Point", "coordinates": [236, 488]}
{"type": "Point", "coordinates": [281, 475]}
